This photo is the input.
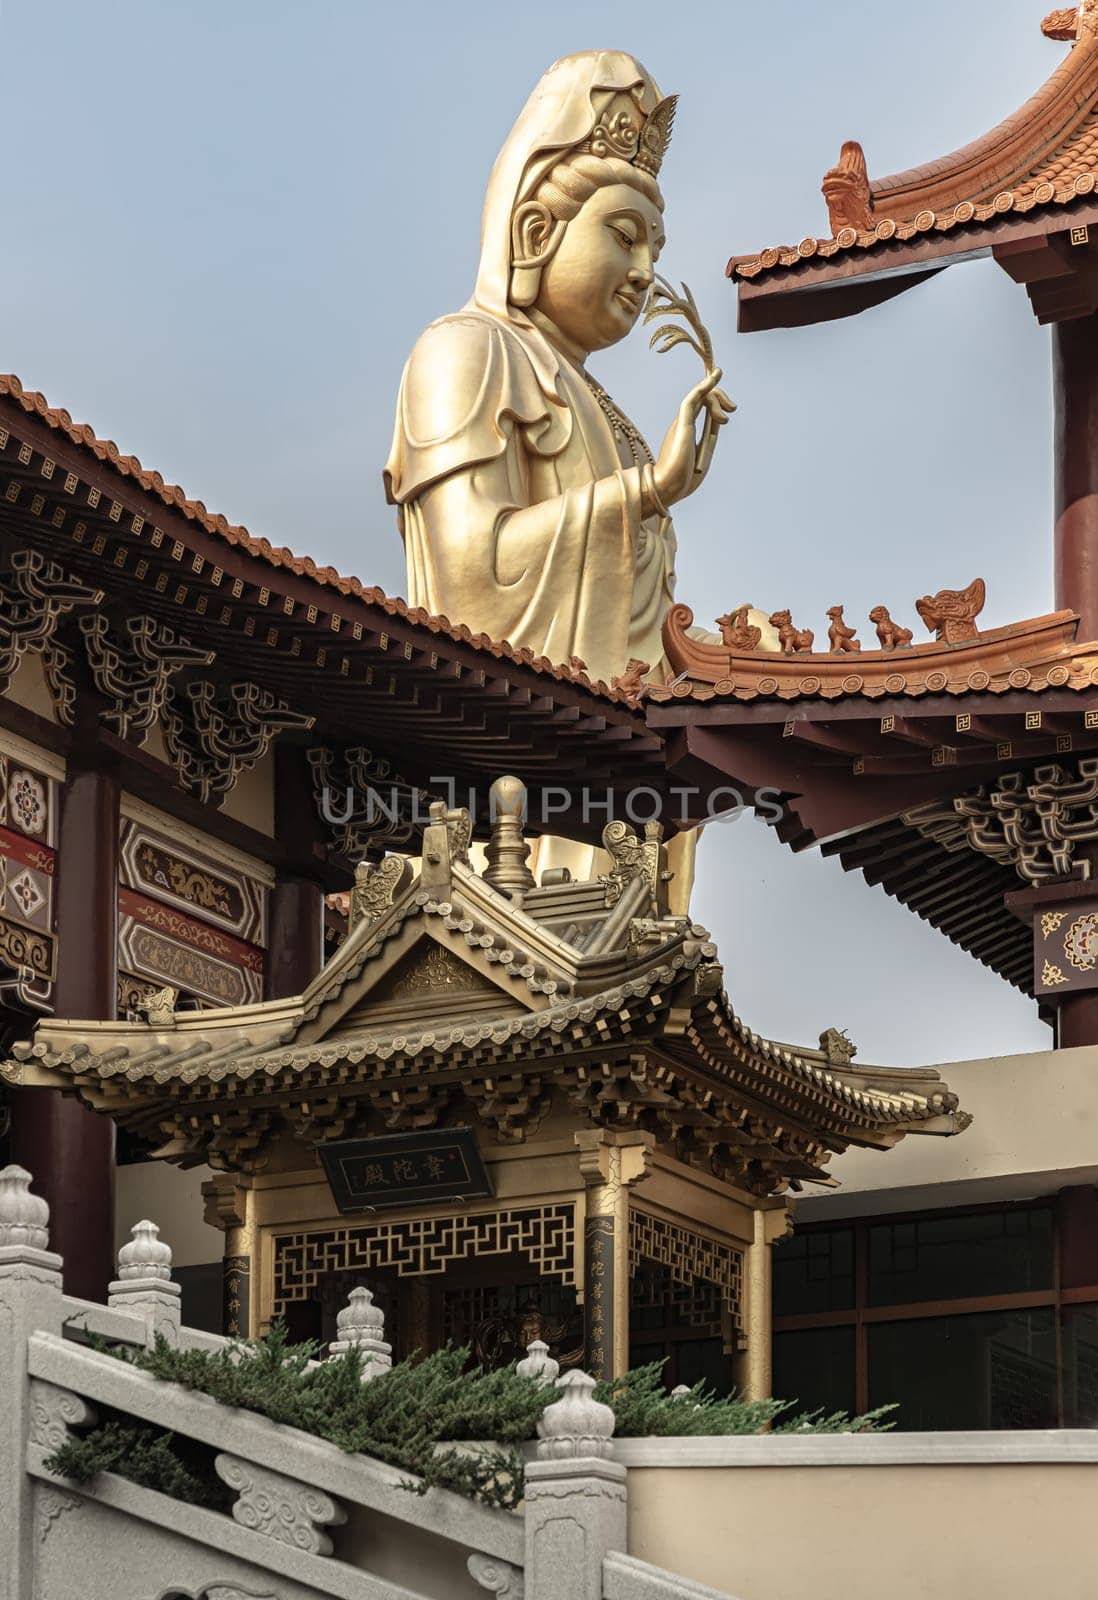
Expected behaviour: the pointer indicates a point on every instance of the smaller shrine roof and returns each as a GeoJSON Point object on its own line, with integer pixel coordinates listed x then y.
{"type": "Point", "coordinates": [448, 993]}
{"type": "Point", "coordinates": [1039, 166]}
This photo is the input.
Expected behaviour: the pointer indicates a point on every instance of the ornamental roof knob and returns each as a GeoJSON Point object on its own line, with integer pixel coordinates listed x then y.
{"type": "Point", "coordinates": [24, 1217]}
{"type": "Point", "coordinates": [538, 1363]}
{"type": "Point", "coordinates": [576, 1424]}
{"type": "Point", "coordinates": [508, 851]}
{"type": "Point", "coordinates": [146, 1255]}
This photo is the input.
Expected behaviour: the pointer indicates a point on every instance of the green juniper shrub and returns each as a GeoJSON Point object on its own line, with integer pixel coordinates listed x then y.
{"type": "Point", "coordinates": [421, 1404]}
{"type": "Point", "coordinates": [146, 1455]}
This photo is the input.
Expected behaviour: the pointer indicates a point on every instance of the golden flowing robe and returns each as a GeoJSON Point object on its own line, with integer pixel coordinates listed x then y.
{"type": "Point", "coordinates": [521, 512]}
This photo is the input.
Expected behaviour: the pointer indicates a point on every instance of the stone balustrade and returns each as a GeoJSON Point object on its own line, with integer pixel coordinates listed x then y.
{"type": "Point", "coordinates": [306, 1521]}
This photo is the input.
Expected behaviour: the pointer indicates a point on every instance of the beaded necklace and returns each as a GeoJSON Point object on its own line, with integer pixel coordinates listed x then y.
{"type": "Point", "coordinates": [619, 422]}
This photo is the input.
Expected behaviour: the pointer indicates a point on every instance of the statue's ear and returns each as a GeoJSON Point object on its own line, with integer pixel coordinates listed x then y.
{"type": "Point", "coordinates": [535, 238]}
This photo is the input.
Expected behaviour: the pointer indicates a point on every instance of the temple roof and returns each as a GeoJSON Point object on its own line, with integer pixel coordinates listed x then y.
{"type": "Point", "coordinates": [1033, 656]}
{"type": "Point", "coordinates": [1034, 173]}
{"type": "Point", "coordinates": [869, 753]}
{"type": "Point", "coordinates": [454, 998]}
{"type": "Point", "coordinates": [235, 536]}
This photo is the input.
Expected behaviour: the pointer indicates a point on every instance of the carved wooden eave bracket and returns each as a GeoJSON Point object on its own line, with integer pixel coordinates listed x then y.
{"type": "Point", "coordinates": [1034, 655]}
{"type": "Point", "coordinates": [1036, 824]}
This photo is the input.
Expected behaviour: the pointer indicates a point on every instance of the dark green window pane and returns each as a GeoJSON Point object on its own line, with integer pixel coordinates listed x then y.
{"type": "Point", "coordinates": [704, 1360]}
{"type": "Point", "coordinates": [815, 1367]}
{"type": "Point", "coordinates": [814, 1272]}
{"type": "Point", "coordinates": [1080, 1348]}
{"type": "Point", "coordinates": [995, 1369]}
{"type": "Point", "coordinates": [960, 1256]}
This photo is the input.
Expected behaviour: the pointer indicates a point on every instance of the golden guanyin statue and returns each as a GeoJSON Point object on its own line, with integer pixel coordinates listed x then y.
{"type": "Point", "coordinates": [531, 507]}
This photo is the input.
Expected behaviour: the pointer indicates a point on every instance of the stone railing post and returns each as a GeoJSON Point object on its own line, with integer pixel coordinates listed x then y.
{"type": "Point", "coordinates": [144, 1283]}
{"type": "Point", "coordinates": [361, 1326]}
{"type": "Point", "coordinates": [30, 1302]}
{"type": "Point", "coordinates": [538, 1363]}
{"type": "Point", "coordinates": [575, 1496]}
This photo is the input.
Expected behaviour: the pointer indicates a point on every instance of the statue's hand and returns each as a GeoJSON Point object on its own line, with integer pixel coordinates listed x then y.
{"type": "Point", "coordinates": [681, 465]}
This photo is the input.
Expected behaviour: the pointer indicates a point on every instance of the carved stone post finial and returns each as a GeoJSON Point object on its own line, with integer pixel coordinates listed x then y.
{"type": "Point", "coordinates": [507, 868]}
{"type": "Point", "coordinates": [32, 1302]}
{"type": "Point", "coordinates": [144, 1283]}
{"type": "Point", "coordinates": [146, 1256]}
{"type": "Point", "coordinates": [575, 1496]}
{"type": "Point", "coordinates": [24, 1217]}
{"type": "Point", "coordinates": [361, 1326]}
{"type": "Point", "coordinates": [538, 1363]}
{"type": "Point", "coordinates": [576, 1424]}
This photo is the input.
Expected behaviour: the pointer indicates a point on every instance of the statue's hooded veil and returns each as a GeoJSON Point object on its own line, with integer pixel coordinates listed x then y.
{"type": "Point", "coordinates": [559, 115]}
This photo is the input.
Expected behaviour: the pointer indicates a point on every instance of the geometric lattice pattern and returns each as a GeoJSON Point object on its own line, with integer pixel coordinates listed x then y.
{"type": "Point", "coordinates": [696, 1305]}
{"type": "Point", "coordinates": [687, 1255]}
{"type": "Point", "coordinates": [546, 1235]}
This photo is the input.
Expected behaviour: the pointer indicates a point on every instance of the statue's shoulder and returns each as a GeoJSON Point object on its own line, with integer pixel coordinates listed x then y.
{"type": "Point", "coordinates": [468, 336]}
{"type": "Point", "coordinates": [468, 381]}
{"type": "Point", "coordinates": [465, 370]}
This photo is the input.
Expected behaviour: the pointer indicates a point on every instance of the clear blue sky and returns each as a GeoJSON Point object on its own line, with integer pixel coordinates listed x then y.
{"type": "Point", "coordinates": [225, 222]}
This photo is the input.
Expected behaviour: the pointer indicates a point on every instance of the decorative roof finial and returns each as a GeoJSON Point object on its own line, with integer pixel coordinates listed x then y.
{"type": "Point", "coordinates": [1073, 23]}
{"type": "Point", "coordinates": [507, 852]}
{"type": "Point", "coordinates": [846, 190]}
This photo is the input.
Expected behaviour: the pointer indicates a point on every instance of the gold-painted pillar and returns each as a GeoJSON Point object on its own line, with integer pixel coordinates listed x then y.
{"type": "Point", "coordinates": [755, 1374]}
{"type": "Point", "coordinates": [230, 1205]}
{"type": "Point", "coordinates": [610, 1164]}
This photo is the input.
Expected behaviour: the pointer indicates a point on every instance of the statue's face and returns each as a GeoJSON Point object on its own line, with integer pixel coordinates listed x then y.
{"type": "Point", "coordinates": [594, 286]}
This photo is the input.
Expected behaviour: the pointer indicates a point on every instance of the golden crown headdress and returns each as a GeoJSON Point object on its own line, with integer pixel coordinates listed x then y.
{"type": "Point", "coordinates": [624, 131]}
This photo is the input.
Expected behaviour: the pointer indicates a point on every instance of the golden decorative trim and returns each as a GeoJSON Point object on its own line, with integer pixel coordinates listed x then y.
{"type": "Point", "coordinates": [426, 1246]}
{"type": "Point", "coordinates": [1050, 921]}
{"type": "Point", "coordinates": [1051, 974]}
{"type": "Point", "coordinates": [688, 1255]}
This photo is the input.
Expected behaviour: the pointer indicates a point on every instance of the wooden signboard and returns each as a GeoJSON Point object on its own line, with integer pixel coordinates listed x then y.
{"type": "Point", "coordinates": [405, 1169]}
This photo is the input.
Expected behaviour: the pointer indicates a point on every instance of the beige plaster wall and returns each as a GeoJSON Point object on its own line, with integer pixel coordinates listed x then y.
{"type": "Point", "coordinates": [895, 1533]}
{"type": "Point", "coordinates": [172, 1199]}
{"type": "Point", "coordinates": [1035, 1130]}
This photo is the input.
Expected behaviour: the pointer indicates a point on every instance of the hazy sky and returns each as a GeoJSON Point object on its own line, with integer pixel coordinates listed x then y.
{"type": "Point", "coordinates": [226, 221]}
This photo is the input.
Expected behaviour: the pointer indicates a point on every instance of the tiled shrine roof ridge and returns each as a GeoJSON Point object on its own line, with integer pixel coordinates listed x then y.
{"type": "Point", "coordinates": [454, 992]}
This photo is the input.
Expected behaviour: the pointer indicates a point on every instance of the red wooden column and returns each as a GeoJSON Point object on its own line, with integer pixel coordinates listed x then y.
{"type": "Point", "coordinates": [295, 933]}
{"type": "Point", "coordinates": [70, 1150]}
{"type": "Point", "coordinates": [295, 938]}
{"type": "Point", "coordinates": [1075, 398]}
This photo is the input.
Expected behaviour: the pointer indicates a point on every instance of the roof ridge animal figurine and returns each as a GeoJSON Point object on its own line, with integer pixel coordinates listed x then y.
{"type": "Point", "coordinates": [951, 613]}
{"type": "Point", "coordinates": [791, 639]}
{"type": "Point", "coordinates": [841, 637]}
{"type": "Point", "coordinates": [737, 633]}
{"type": "Point", "coordinates": [892, 635]}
